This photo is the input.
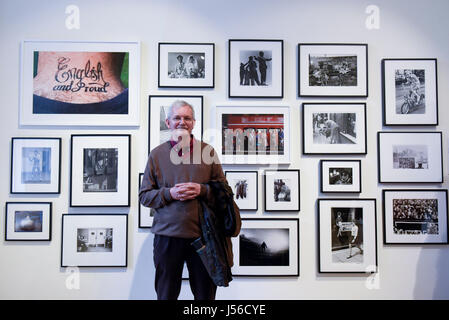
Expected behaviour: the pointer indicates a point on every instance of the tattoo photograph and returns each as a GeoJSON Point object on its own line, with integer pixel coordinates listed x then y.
{"type": "Point", "coordinates": [100, 170]}
{"type": "Point", "coordinates": [94, 240]}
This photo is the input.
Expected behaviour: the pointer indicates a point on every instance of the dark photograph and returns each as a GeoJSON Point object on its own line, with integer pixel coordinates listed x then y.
{"type": "Point", "coordinates": [410, 89]}
{"type": "Point", "coordinates": [332, 70]}
{"type": "Point", "coordinates": [28, 221]}
{"type": "Point", "coordinates": [282, 190]}
{"type": "Point", "coordinates": [340, 176]}
{"type": "Point", "coordinates": [94, 240]}
{"type": "Point", "coordinates": [334, 128]}
{"type": "Point", "coordinates": [186, 65]}
{"type": "Point", "coordinates": [347, 235]}
{"type": "Point", "coordinates": [36, 165]}
{"type": "Point", "coordinates": [100, 170]}
{"type": "Point", "coordinates": [253, 134]}
{"type": "Point", "coordinates": [255, 68]}
{"type": "Point", "coordinates": [410, 157]}
{"type": "Point", "coordinates": [241, 188]}
{"type": "Point", "coordinates": [415, 216]}
{"type": "Point", "coordinates": [264, 247]}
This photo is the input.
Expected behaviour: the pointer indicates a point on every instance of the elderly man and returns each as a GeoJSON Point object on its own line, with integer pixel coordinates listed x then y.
{"type": "Point", "coordinates": [175, 178]}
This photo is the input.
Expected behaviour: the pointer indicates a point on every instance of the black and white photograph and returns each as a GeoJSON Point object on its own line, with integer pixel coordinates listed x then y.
{"type": "Point", "coordinates": [146, 215]}
{"type": "Point", "coordinates": [244, 185]}
{"type": "Point", "coordinates": [341, 176]}
{"type": "Point", "coordinates": [347, 235]}
{"type": "Point", "coordinates": [35, 164]}
{"type": "Point", "coordinates": [410, 156]}
{"type": "Point", "coordinates": [100, 170]}
{"type": "Point", "coordinates": [256, 68]}
{"type": "Point", "coordinates": [267, 247]}
{"type": "Point", "coordinates": [188, 65]}
{"type": "Point", "coordinates": [252, 134]}
{"type": "Point", "coordinates": [415, 216]}
{"type": "Point", "coordinates": [334, 128]}
{"type": "Point", "coordinates": [282, 190]}
{"type": "Point", "coordinates": [332, 70]}
{"type": "Point", "coordinates": [159, 106]}
{"type": "Point", "coordinates": [28, 221]}
{"type": "Point", "coordinates": [410, 91]}
{"type": "Point", "coordinates": [94, 240]}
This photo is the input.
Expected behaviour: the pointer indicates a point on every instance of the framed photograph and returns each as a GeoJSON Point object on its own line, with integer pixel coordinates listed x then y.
{"type": "Point", "coordinates": [35, 165]}
{"type": "Point", "coordinates": [333, 70]}
{"type": "Point", "coordinates": [410, 92]}
{"type": "Point", "coordinates": [267, 248]}
{"type": "Point", "coordinates": [253, 134]}
{"type": "Point", "coordinates": [28, 221]}
{"type": "Point", "coordinates": [100, 170]}
{"type": "Point", "coordinates": [256, 68]}
{"type": "Point", "coordinates": [410, 157]}
{"type": "Point", "coordinates": [94, 240]}
{"type": "Point", "coordinates": [186, 65]}
{"type": "Point", "coordinates": [244, 184]}
{"type": "Point", "coordinates": [80, 83]}
{"type": "Point", "coordinates": [281, 190]}
{"type": "Point", "coordinates": [146, 215]}
{"type": "Point", "coordinates": [341, 176]}
{"type": "Point", "coordinates": [158, 110]}
{"type": "Point", "coordinates": [347, 235]}
{"type": "Point", "coordinates": [334, 128]}
{"type": "Point", "coordinates": [415, 216]}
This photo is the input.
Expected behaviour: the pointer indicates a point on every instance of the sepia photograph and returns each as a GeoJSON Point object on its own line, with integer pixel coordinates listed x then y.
{"type": "Point", "coordinates": [332, 70]}
{"type": "Point", "coordinates": [100, 170]}
{"type": "Point", "coordinates": [94, 240]}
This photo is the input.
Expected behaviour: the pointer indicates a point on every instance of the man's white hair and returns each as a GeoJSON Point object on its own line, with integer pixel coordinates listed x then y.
{"type": "Point", "coordinates": [178, 104]}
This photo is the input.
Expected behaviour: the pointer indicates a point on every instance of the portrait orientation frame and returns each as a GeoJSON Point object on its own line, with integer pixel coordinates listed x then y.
{"type": "Point", "coordinates": [94, 240]}
{"type": "Point", "coordinates": [95, 180]}
{"type": "Point", "coordinates": [158, 106]}
{"type": "Point", "coordinates": [146, 215]}
{"type": "Point", "coordinates": [28, 221]}
{"type": "Point", "coordinates": [35, 165]}
{"type": "Point", "coordinates": [347, 235]}
{"type": "Point", "coordinates": [202, 53]}
{"type": "Point", "coordinates": [57, 112]}
{"type": "Point", "coordinates": [351, 183]}
{"type": "Point", "coordinates": [279, 257]}
{"type": "Point", "coordinates": [426, 223]}
{"type": "Point", "coordinates": [242, 81]}
{"type": "Point", "coordinates": [245, 195]}
{"type": "Point", "coordinates": [282, 200]}
{"type": "Point", "coordinates": [327, 70]}
{"type": "Point", "coordinates": [399, 107]}
{"type": "Point", "coordinates": [342, 136]}
{"type": "Point", "coordinates": [246, 120]}
{"type": "Point", "coordinates": [407, 157]}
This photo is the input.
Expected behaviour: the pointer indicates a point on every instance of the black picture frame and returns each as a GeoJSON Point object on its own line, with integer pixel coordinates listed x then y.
{"type": "Point", "coordinates": [240, 82]}
{"type": "Point", "coordinates": [254, 204]}
{"type": "Point", "coordinates": [407, 112]}
{"type": "Point", "coordinates": [48, 182]}
{"type": "Point", "coordinates": [38, 227]}
{"type": "Point", "coordinates": [356, 179]}
{"type": "Point", "coordinates": [180, 48]}
{"type": "Point", "coordinates": [114, 196]}
{"type": "Point", "coordinates": [293, 197]}
{"type": "Point", "coordinates": [337, 90]}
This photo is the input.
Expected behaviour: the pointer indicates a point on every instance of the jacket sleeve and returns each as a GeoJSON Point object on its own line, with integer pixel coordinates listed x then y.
{"type": "Point", "coordinates": [150, 194]}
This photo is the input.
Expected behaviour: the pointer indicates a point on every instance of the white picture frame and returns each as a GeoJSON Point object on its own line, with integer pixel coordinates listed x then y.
{"type": "Point", "coordinates": [245, 187]}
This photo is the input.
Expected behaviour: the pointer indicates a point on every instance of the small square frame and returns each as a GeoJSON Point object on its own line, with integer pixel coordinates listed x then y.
{"type": "Point", "coordinates": [284, 200]}
{"type": "Point", "coordinates": [246, 194]}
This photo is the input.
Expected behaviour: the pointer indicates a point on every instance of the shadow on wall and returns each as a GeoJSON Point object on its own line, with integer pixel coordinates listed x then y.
{"type": "Point", "coordinates": [142, 287]}
{"type": "Point", "coordinates": [432, 281]}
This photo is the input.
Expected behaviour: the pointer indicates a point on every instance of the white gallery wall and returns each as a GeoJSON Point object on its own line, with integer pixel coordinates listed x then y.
{"type": "Point", "coordinates": [406, 29]}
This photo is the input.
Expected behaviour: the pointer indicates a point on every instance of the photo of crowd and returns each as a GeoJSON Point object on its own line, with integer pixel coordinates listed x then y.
{"type": "Point", "coordinates": [415, 216]}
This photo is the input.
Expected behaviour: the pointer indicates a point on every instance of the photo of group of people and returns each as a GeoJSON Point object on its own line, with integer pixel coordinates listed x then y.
{"type": "Point", "coordinates": [186, 65]}
{"type": "Point", "coordinates": [255, 68]}
{"type": "Point", "coordinates": [415, 216]}
{"type": "Point", "coordinates": [332, 70]}
{"type": "Point", "coordinates": [94, 240]}
{"type": "Point", "coordinates": [340, 176]}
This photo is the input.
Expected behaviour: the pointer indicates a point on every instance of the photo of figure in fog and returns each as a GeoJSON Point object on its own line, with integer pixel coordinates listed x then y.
{"type": "Point", "coordinates": [347, 235]}
{"type": "Point", "coordinates": [100, 170]}
{"type": "Point", "coordinates": [255, 68]}
{"type": "Point", "coordinates": [342, 176]}
{"type": "Point", "coordinates": [28, 221]}
{"type": "Point", "coordinates": [264, 247]}
{"type": "Point", "coordinates": [186, 65]}
{"type": "Point", "coordinates": [94, 240]}
{"type": "Point", "coordinates": [410, 91]}
{"type": "Point", "coordinates": [334, 128]}
{"type": "Point", "coordinates": [36, 165]}
{"type": "Point", "coordinates": [415, 216]}
{"type": "Point", "coordinates": [332, 70]}
{"type": "Point", "coordinates": [410, 157]}
{"type": "Point", "coordinates": [282, 190]}
{"type": "Point", "coordinates": [253, 134]}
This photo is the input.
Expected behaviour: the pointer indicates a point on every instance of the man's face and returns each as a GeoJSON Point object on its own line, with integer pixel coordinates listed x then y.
{"type": "Point", "coordinates": [181, 119]}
